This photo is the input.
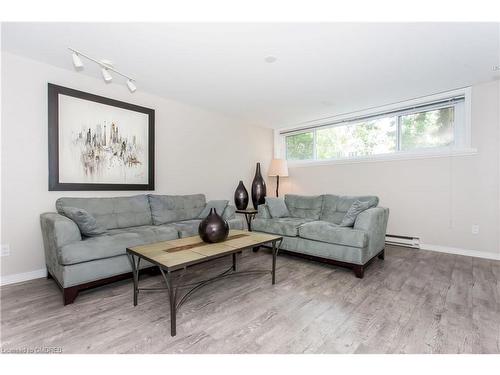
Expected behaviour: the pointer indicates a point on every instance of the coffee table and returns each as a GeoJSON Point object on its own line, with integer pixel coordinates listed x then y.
{"type": "Point", "coordinates": [179, 254]}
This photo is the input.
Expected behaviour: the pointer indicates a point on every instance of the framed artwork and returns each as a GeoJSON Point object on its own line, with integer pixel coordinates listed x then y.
{"type": "Point", "coordinates": [97, 143]}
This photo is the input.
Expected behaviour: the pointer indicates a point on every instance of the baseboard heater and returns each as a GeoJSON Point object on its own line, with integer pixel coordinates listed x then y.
{"type": "Point", "coordinates": [406, 241]}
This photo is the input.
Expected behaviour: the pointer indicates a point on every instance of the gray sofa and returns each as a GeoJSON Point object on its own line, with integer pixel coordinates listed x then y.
{"type": "Point", "coordinates": [78, 263]}
{"type": "Point", "coordinates": [312, 229]}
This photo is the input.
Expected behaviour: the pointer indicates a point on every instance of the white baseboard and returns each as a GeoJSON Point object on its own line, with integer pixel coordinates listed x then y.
{"type": "Point", "coordinates": [20, 277]}
{"type": "Point", "coordinates": [459, 251]}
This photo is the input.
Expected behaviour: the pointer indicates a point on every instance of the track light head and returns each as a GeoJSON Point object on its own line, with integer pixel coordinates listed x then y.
{"type": "Point", "coordinates": [131, 86]}
{"type": "Point", "coordinates": [105, 74]}
{"type": "Point", "coordinates": [77, 62]}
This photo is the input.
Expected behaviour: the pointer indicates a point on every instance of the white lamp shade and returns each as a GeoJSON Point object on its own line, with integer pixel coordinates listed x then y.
{"type": "Point", "coordinates": [279, 167]}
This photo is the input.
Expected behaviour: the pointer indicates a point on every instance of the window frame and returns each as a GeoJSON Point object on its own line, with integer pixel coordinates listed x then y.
{"type": "Point", "coordinates": [462, 132]}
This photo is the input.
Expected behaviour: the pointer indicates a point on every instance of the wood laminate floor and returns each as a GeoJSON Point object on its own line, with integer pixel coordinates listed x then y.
{"type": "Point", "coordinates": [413, 302]}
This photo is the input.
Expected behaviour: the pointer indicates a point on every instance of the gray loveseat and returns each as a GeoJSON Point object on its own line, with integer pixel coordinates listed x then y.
{"type": "Point", "coordinates": [312, 229]}
{"type": "Point", "coordinates": [78, 262]}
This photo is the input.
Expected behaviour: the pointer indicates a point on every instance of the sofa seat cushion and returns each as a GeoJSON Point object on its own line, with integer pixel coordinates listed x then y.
{"type": "Point", "coordinates": [285, 226]}
{"type": "Point", "coordinates": [154, 232]}
{"type": "Point", "coordinates": [113, 243]}
{"type": "Point", "coordinates": [331, 233]}
{"type": "Point", "coordinates": [186, 228]}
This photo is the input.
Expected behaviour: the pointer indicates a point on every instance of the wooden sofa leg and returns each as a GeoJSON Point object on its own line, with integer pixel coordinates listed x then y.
{"type": "Point", "coordinates": [359, 270]}
{"type": "Point", "coordinates": [49, 276]}
{"type": "Point", "coordinates": [70, 294]}
{"type": "Point", "coordinates": [381, 255]}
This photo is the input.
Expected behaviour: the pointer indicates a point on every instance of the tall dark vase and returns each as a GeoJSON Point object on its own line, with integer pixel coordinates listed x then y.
{"type": "Point", "coordinates": [258, 188]}
{"type": "Point", "coordinates": [241, 197]}
{"type": "Point", "coordinates": [213, 228]}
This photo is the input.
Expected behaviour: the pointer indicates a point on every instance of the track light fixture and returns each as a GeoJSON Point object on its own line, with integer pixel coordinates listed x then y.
{"type": "Point", "coordinates": [106, 68]}
{"type": "Point", "coordinates": [77, 61]}
{"type": "Point", "coordinates": [106, 64]}
{"type": "Point", "coordinates": [105, 74]}
{"type": "Point", "coordinates": [131, 86]}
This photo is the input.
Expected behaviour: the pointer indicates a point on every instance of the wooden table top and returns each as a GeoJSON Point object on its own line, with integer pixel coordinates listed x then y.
{"type": "Point", "coordinates": [181, 252]}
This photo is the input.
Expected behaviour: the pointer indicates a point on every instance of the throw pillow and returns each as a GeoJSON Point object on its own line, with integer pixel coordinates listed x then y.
{"type": "Point", "coordinates": [219, 205]}
{"type": "Point", "coordinates": [85, 221]}
{"type": "Point", "coordinates": [277, 207]}
{"type": "Point", "coordinates": [356, 208]}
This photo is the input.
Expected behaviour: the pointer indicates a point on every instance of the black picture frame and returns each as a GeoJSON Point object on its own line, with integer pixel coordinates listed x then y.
{"type": "Point", "coordinates": [53, 134]}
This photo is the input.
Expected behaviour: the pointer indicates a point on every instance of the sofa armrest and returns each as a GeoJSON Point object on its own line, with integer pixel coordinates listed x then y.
{"type": "Point", "coordinates": [374, 222]}
{"type": "Point", "coordinates": [57, 231]}
{"type": "Point", "coordinates": [262, 212]}
{"type": "Point", "coordinates": [229, 212]}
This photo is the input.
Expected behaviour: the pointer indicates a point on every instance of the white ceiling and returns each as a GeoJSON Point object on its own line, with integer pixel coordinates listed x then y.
{"type": "Point", "coordinates": [322, 69]}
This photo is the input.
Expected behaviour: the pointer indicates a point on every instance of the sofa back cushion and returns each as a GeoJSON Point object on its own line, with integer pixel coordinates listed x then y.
{"type": "Point", "coordinates": [335, 206]}
{"type": "Point", "coordinates": [277, 207]}
{"type": "Point", "coordinates": [304, 207]}
{"type": "Point", "coordinates": [171, 208]}
{"type": "Point", "coordinates": [111, 213]}
{"type": "Point", "coordinates": [219, 206]}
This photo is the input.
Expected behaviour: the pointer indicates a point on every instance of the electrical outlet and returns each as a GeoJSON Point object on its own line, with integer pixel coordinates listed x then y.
{"type": "Point", "coordinates": [475, 229]}
{"type": "Point", "coordinates": [5, 250]}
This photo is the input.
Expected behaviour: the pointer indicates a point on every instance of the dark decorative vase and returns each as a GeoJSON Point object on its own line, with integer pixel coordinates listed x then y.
{"type": "Point", "coordinates": [258, 188]}
{"type": "Point", "coordinates": [241, 197]}
{"type": "Point", "coordinates": [213, 228]}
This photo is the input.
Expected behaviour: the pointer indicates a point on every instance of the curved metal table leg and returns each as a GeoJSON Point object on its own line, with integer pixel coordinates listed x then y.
{"type": "Point", "coordinates": [172, 297]}
{"type": "Point", "coordinates": [135, 274]}
{"type": "Point", "coordinates": [275, 254]}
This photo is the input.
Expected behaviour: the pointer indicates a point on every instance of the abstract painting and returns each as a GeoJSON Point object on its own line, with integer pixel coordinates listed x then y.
{"type": "Point", "coordinates": [97, 143]}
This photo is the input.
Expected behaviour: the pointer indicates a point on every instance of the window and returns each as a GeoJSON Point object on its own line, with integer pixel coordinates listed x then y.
{"type": "Point", "coordinates": [300, 146]}
{"type": "Point", "coordinates": [358, 139]}
{"type": "Point", "coordinates": [427, 129]}
{"type": "Point", "coordinates": [433, 125]}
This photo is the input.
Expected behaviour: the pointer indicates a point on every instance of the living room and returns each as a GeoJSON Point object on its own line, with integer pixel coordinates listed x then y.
{"type": "Point", "coordinates": [250, 187]}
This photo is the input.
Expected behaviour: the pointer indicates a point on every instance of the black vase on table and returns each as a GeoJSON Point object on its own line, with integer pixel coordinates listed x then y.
{"type": "Point", "coordinates": [213, 228]}
{"type": "Point", "coordinates": [241, 197]}
{"type": "Point", "coordinates": [258, 188]}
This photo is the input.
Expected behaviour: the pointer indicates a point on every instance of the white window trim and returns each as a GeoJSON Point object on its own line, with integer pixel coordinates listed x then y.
{"type": "Point", "coordinates": [395, 156]}
{"type": "Point", "coordinates": [463, 149]}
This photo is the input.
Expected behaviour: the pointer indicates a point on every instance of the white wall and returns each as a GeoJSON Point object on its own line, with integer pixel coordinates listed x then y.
{"type": "Point", "coordinates": [196, 151]}
{"type": "Point", "coordinates": [436, 199]}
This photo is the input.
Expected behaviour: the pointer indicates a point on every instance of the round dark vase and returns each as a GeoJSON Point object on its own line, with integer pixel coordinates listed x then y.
{"type": "Point", "coordinates": [258, 188]}
{"type": "Point", "coordinates": [213, 228]}
{"type": "Point", "coordinates": [241, 197]}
